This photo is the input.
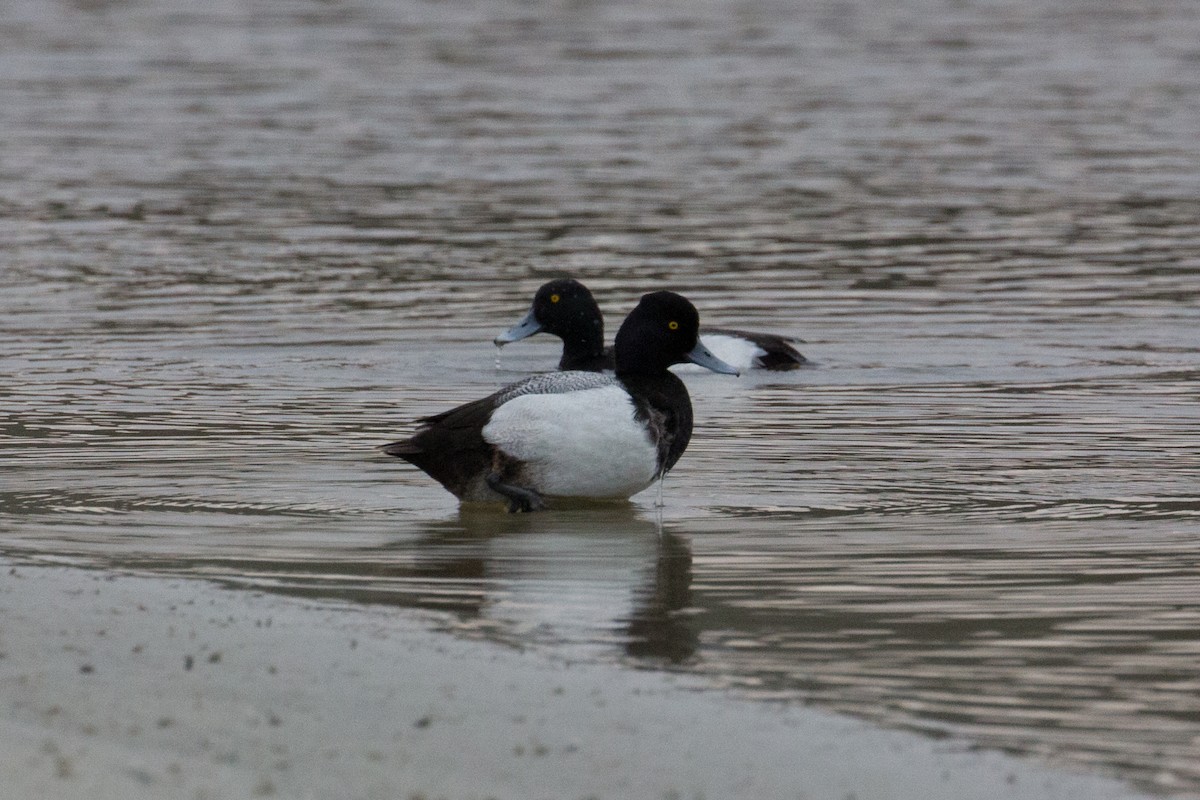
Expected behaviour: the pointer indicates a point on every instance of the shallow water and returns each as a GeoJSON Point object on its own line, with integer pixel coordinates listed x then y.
{"type": "Point", "coordinates": [245, 245]}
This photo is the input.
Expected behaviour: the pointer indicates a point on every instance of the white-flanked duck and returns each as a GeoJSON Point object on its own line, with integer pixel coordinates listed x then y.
{"type": "Point", "coordinates": [566, 309]}
{"type": "Point", "coordinates": [576, 433]}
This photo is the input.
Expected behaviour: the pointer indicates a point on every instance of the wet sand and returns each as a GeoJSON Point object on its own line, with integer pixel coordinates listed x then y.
{"type": "Point", "coordinates": [126, 686]}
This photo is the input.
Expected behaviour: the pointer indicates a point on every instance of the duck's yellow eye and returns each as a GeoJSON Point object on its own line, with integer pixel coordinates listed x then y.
{"type": "Point", "coordinates": [554, 298]}
{"type": "Point", "coordinates": [673, 325]}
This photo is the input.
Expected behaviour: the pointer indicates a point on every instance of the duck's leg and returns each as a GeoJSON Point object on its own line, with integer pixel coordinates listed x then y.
{"type": "Point", "coordinates": [519, 498]}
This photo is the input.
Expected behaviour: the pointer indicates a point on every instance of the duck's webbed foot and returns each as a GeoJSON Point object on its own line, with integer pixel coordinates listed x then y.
{"type": "Point", "coordinates": [520, 499]}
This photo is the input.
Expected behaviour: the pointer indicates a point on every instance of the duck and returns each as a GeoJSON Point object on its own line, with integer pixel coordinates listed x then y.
{"type": "Point", "coordinates": [574, 433]}
{"type": "Point", "coordinates": [566, 308]}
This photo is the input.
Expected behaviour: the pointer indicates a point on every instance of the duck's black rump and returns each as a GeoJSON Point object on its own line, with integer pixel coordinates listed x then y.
{"type": "Point", "coordinates": [450, 447]}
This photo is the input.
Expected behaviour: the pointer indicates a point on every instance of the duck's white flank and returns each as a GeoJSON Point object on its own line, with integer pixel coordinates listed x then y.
{"type": "Point", "coordinates": [577, 444]}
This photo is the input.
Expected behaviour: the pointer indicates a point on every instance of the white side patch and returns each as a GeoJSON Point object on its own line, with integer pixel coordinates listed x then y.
{"type": "Point", "coordinates": [733, 350]}
{"type": "Point", "coordinates": [577, 444]}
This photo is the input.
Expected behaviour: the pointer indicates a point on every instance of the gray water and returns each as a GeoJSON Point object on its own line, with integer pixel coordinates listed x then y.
{"type": "Point", "coordinates": [245, 243]}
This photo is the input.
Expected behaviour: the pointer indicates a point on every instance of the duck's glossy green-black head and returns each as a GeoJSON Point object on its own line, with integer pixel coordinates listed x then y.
{"type": "Point", "coordinates": [663, 330]}
{"type": "Point", "coordinates": [564, 308]}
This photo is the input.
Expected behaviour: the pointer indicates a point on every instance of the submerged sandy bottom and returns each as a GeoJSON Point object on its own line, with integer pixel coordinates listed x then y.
{"type": "Point", "coordinates": [122, 686]}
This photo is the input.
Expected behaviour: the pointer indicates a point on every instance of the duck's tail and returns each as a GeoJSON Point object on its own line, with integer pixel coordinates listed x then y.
{"type": "Point", "coordinates": [401, 449]}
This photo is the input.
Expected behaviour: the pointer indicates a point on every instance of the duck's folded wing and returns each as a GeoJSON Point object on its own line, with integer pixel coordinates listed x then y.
{"type": "Point", "coordinates": [554, 383]}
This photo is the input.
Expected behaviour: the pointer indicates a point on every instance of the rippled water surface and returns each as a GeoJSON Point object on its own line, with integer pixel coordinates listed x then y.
{"type": "Point", "coordinates": [244, 243]}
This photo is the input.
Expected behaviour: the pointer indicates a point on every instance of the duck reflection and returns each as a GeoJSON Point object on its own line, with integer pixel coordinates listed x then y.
{"type": "Point", "coordinates": [607, 575]}
{"type": "Point", "coordinates": [588, 577]}
{"type": "Point", "coordinates": [658, 628]}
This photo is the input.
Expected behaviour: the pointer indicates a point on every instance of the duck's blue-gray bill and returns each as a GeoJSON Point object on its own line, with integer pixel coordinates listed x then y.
{"type": "Point", "coordinates": [527, 327]}
{"type": "Point", "coordinates": [702, 356]}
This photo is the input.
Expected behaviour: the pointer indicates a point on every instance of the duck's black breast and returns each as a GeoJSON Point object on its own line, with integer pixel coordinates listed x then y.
{"type": "Point", "coordinates": [662, 404]}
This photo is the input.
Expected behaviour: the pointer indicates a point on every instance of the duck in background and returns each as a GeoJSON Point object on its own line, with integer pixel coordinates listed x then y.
{"type": "Point", "coordinates": [576, 433]}
{"type": "Point", "coordinates": [566, 309]}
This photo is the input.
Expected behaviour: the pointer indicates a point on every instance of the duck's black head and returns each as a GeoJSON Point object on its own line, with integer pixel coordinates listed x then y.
{"type": "Point", "coordinates": [566, 309]}
{"type": "Point", "coordinates": [663, 330]}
